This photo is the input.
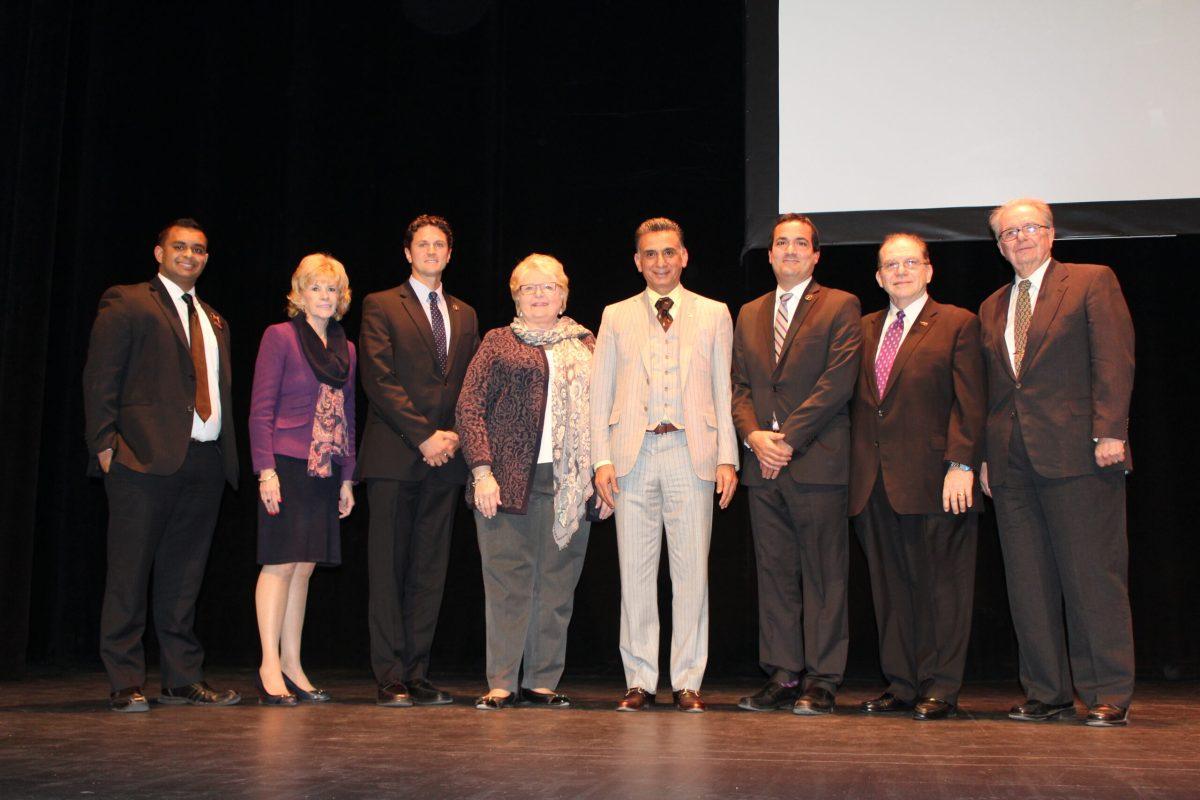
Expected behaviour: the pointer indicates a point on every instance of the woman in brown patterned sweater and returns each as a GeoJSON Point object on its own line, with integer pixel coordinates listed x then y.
{"type": "Point", "coordinates": [523, 419]}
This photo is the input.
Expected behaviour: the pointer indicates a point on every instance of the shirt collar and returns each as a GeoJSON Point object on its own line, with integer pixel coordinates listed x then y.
{"type": "Point", "coordinates": [424, 291]}
{"type": "Point", "coordinates": [1035, 279]}
{"type": "Point", "coordinates": [796, 291]}
{"type": "Point", "coordinates": [174, 290]}
{"type": "Point", "coordinates": [913, 310]}
{"type": "Point", "coordinates": [675, 294]}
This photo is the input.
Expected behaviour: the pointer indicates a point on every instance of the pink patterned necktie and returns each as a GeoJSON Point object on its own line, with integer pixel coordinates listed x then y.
{"type": "Point", "coordinates": [887, 353]}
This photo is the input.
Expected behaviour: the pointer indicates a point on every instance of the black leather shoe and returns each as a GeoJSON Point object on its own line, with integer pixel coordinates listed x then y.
{"type": "Point", "coordinates": [128, 701]}
{"type": "Point", "coordinates": [1037, 711]}
{"type": "Point", "coordinates": [265, 698]}
{"type": "Point", "coordinates": [394, 695]}
{"type": "Point", "coordinates": [931, 708]}
{"type": "Point", "coordinates": [315, 696]}
{"type": "Point", "coordinates": [552, 700]}
{"type": "Point", "coordinates": [198, 694]}
{"type": "Point", "coordinates": [492, 703]}
{"type": "Point", "coordinates": [425, 693]}
{"type": "Point", "coordinates": [636, 699]}
{"type": "Point", "coordinates": [688, 701]}
{"type": "Point", "coordinates": [886, 703]}
{"type": "Point", "coordinates": [814, 701]}
{"type": "Point", "coordinates": [1106, 716]}
{"type": "Point", "coordinates": [770, 697]}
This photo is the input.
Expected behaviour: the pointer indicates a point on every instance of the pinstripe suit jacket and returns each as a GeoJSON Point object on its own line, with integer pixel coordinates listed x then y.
{"type": "Point", "coordinates": [621, 382]}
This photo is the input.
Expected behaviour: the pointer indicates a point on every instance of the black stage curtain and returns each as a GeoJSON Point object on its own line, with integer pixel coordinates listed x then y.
{"type": "Point", "coordinates": [532, 127]}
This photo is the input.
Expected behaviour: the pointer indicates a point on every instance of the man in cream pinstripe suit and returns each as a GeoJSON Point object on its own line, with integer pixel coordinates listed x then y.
{"type": "Point", "coordinates": [663, 442]}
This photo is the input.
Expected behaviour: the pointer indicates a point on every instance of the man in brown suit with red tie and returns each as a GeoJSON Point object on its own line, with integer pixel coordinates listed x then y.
{"type": "Point", "coordinates": [917, 429]}
{"type": "Point", "coordinates": [1059, 348]}
{"type": "Point", "coordinates": [158, 413]}
{"type": "Point", "coordinates": [795, 360]}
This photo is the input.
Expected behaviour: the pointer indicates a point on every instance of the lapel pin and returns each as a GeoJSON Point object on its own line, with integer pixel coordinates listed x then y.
{"type": "Point", "coordinates": [216, 321]}
{"type": "Point", "coordinates": [923, 323]}
{"type": "Point", "coordinates": [808, 297]}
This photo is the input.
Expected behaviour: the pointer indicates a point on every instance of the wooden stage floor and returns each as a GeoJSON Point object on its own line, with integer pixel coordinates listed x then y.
{"type": "Point", "coordinates": [58, 740]}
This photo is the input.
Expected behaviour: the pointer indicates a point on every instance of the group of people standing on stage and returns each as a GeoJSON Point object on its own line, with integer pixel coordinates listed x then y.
{"type": "Point", "coordinates": [897, 419]}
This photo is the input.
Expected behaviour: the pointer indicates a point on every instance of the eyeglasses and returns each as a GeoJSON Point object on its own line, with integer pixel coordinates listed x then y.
{"type": "Point", "coordinates": [533, 288]}
{"type": "Point", "coordinates": [1032, 229]}
{"type": "Point", "coordinates": [909, 264]}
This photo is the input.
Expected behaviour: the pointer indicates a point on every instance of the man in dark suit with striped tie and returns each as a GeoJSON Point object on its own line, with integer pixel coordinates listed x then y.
{"type": "Point", "coordinates": [795, 362]}
{"type": "Point", "coordinates": [414, 347]}
{"type": "Point", "coordinates": [1058, 341]}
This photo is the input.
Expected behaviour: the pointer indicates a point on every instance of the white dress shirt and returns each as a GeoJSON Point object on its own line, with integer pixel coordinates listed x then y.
{"type": "Point", "coordinates": [793, 302]}
{"type": "Point", "coordinates": [202, 430]}
{"type": "Point", "coordinates": [910, 316]}
{"type": "Point", "coordinates": [423, 293]}
{"type": "Point", "coordinates": [1010, 338]}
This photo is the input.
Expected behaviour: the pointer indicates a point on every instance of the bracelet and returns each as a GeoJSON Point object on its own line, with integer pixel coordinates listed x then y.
{"type": "Point", "coordinates": [478, 478]}
{"type": "Point", "coordinates": [267, 475]}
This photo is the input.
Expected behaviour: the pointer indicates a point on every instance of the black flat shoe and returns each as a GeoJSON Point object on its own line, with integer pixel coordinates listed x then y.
{"type": "Point", "coordinates": [393, 695]}
{"type": "Point", "coordinates": [198, 694]}
{"type": "Point", "coordinates": [772, 696]}
{"type": "Point", "coordinates": [265, 698]}
{"type": "Point", "coordinates": [128, 701]}
{"type": "Point", "coordinates": [425, 693]}
{"type": "Point", "coordinates": [487, 703]}
{"type": "Point", "coordinates": [315, 696]}
{"type": "Point", "coordinates": [815, 701]}
{"type": "Point", "coordinates": [886, 703]}
{"type": "Point", "coordinates": [552, 700]}
{"type": "Point", "coordinates": [1037, 711]}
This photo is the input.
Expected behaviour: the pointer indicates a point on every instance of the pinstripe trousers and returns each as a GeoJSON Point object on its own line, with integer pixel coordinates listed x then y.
{"type": "Point", "coordinates": [662, 490]}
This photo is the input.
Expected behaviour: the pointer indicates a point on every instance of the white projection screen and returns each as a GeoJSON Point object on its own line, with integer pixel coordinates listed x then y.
{"type": "Point", "coordinates": [879, 116]}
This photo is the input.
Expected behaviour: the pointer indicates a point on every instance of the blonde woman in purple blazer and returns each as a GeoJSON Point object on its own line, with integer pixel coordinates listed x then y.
{"type": "Point", "coordinates": [302, 447]}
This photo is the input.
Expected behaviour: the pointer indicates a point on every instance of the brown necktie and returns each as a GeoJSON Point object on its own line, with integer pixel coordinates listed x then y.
{"type": "Point", "coordinates": [199, 363]}
{"type": "Point", "coordinates": [663, 304]}
{"type": "Point", "coordinates": [1021, 324]}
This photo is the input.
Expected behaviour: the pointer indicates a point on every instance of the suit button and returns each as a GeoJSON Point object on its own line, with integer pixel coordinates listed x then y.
{"type": "Point", "coordinates": [877, 444]}
{"type": "Point", "coordinates": [1018, 384]}
{"type": "Point", "coordinates": [190, 409]}
{"type": "Point", "coordinates": [1012, 414]}
{"type": "Point", "coordinates": [880, 412]}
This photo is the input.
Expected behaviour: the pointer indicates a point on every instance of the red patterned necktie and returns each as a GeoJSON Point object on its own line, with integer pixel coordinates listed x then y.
{"type": "Point", "coordinates": [663, 304]}
{"type": "Point", "coordinates": [887, 353]}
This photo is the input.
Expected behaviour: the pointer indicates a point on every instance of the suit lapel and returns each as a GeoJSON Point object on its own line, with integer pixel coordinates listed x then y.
{"type": "Point", "coordinates": [410, 303]}
{"type": "Point", "coordinates": [167, 306]}
{"type": "Point", "coordinates": [999, 343]}
{"type": "Point", "coordinates": [218, 326]}
{"type": "Point", "coordinates": [804, 305]}
{"type": "Point", "coordinates": [458, 329]}
{"type": "Point", "coordinates": [916, 334]}
{"type": "Point", "coordinates": [1050, 297]}
{"type": "Point", "coordinates": [686, 321]}
{"type": "Point", "coordinates": [644, 320]}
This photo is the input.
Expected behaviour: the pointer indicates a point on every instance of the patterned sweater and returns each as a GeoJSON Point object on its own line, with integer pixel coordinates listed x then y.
{"type": "Point", "coordinates": [500, 412]}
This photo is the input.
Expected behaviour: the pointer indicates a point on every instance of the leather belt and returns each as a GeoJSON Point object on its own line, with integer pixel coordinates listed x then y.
{"type": "Point", "coordinates": [664, 427]}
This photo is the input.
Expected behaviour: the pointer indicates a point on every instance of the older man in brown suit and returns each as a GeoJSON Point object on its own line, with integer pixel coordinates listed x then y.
{"type": "Point", "coordinates": [795, 360]}
{"type": "Point", "coordinates": [917, 429]}
{"type": "Point", "coordinates": [1059, 347]}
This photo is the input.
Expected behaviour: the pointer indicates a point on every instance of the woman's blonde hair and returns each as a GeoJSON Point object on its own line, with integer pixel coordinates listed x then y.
{"type": "Point", "coordinates": [312, 266]}
{"type": "Point", "coordinates": [541, 263]}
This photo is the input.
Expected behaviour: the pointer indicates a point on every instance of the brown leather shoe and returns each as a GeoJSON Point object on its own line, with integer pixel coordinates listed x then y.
{"type": "Point", "coordinates": [687, 700]}
{"type": "Point", "coordinates": [636, 699]}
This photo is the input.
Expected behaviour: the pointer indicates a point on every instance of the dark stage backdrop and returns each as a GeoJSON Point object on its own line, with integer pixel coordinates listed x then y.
{"type": "Point", "coordinates": [547, 127]}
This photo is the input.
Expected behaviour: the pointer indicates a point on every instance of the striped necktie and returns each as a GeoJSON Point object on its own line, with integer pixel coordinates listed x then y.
{"type": "Point", "coordinates": [781, 323]}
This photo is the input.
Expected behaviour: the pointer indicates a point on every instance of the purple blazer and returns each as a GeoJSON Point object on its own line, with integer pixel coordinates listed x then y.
{"type": "Point", "coordinates": [284, 398]}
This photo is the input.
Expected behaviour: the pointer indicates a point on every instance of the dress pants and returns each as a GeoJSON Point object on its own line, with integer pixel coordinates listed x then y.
{"type": "Point", "coordinates": [801, 547]}
{"type": "Point", "coordinates": [661, 490]}
{"type": "Point", "coordinates": [1065, 546]}
{"type": "Point", "coordinates": [923, 585]}
{"type": "Point", "coordinates": [408, 549]}
{"type": "Point", "coordinates": [529, 589]}
{"type": "Point", "coordinates": [161, 524]}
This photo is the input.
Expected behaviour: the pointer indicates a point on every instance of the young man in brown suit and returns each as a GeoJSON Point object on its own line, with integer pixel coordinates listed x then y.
{"type": "Point", "coordinates": [1059, 347]}
{"type": "Point", "coordinates": [917, 430]}
{"type": "Point", "coordinates": [795, 360]}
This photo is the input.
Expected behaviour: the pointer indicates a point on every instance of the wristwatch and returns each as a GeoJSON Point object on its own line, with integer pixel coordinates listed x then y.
{"type": "Point", "coordinates": [963, 467]}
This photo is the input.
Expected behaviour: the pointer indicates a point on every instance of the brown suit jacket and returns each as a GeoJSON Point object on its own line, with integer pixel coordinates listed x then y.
{"type": "Point", "coordinates": [139, 386]}
{"type": "Point", "coordinates": [409, 399]}
{"type": "Point", "coordinates": [1076, 378]}
{"type": "Point", "coordinates": [932, 411]}
{"type": "Point", "coordinates": [808, 390]}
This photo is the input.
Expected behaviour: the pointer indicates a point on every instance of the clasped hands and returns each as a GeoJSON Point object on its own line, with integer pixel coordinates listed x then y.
{"type": "Point", "coordinates": [439, 448]}
{"type": "Point", "coordinates": [772, 451]}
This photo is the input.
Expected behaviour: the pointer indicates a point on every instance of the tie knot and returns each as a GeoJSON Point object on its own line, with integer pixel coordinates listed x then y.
{"type": "Point", "coordinates": [433, 299]}
{"type": "Point", "coordinates": [900, 315]}
{"type": "Point", "coordinates": [1024, 285]}
{"type": "Point", "coordinates": [664, 304]}
{"type": "Point", "coordinates": [784, 298]}
{"type": "Point", "coordinates": [187, 299]}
